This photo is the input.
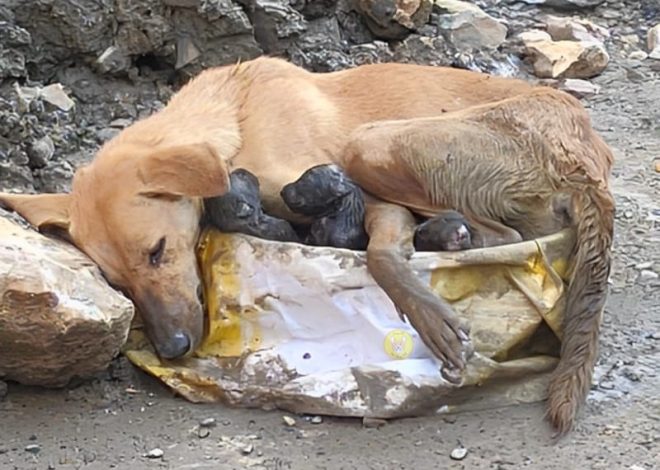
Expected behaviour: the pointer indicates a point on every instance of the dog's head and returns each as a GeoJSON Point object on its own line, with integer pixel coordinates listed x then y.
{"type": "Point", "coordinates": [135, 211]}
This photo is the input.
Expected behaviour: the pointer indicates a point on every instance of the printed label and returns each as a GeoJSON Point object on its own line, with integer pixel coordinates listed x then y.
{"type": "Point", "coordinates": [398, 344]}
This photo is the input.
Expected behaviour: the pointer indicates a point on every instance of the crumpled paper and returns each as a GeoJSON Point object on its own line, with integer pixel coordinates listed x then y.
{"type": "Point", "coordinates": [307, 330]}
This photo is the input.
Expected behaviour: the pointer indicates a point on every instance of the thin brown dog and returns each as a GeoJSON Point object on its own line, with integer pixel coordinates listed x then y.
{"type": "Point", "coordinates": [135, 209]}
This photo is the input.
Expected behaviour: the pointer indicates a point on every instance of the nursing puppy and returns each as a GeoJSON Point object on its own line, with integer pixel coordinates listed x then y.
{"type": "Point", "coordinates": [240, 211]}
{"type": "Point", "coordinates": [450, 230]}
{"type": "Point", "coordinates": [447, 231]}
{"type": "Point", "coordinates": [335, 203]}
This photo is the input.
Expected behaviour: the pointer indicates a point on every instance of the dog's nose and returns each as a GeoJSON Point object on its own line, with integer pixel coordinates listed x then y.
{"type": "Point", "coordinates": [177, 346]}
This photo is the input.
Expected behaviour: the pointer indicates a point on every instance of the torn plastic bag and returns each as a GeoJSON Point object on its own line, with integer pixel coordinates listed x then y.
{"type": "Point", "coordinates": [307, 330]}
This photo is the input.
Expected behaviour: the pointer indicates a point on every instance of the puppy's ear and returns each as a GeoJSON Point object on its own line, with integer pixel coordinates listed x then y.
{"type": "Point", "coordinates": [47, 212]}
{"type": "Point", "coordinates": [194, 170]}
{"type": "Point", "coordinates": [342, 186]}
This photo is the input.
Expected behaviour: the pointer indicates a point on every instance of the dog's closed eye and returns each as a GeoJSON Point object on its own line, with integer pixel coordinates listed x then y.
{"type": "Point", "coordinates": [156, 253]}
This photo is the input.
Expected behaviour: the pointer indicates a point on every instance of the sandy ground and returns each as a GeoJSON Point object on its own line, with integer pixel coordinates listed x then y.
{"type": "Point", "coordinates": [115, 421]}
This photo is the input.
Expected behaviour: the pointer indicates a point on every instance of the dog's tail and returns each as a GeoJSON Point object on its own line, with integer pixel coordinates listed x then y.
{"type": "Point", "coordinates": [587, 292]}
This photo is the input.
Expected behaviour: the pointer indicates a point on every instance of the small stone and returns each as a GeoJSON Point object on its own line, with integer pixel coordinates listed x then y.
{"type": "Point", "coordinates": [33, 448]}
{"type": "Point", "coordinates": [316, 420]}
{"type": "Point", "coordinates": [611, 429]}
{"type": "Point", "coordinates": [569, 29]}
{"type": "Point", "coordinates": [55, 95]}
{"type": "Point", "coordinates": [186, 52]}
{"type": "Point", "coordinates": [638, 55]}
{"type": "Point", "coordinates": [567, 59]}
{"type": "Point", "coordinates": [106, 134]}
{"type": "Point", "coordinates": [645, 265]}
{"type": "Point", "coordinates": [653, 42]}
{"type": "Point", "coordinates": [534, 36]}
{"type": "Point", "coordinates": [636, 467]}
{"type": "Point", "coordinates": [657, 166]}
{"type": "Point", "coordinates": [373, 423]}
{"type": "Point", "coordinates": [632, 375]}
{"type": "Point", "coordinates": [40, 152]}
{"type": "Point", "coordinates": [395, 19]}
{"type": "Point", "coordinates": [459, 453]}
{"type": "Point", "coordinates": [566, 4]}
{"type": "Point", "coordinates": [579, 88]}
{"type": "Point", "coordinates": [289, 421]}
{"type": "Point", "coordinates": [247, 449]}
{"type": "Point", "coordinates": [120, 123]}
{"type": "Point", "coordinates": [113, 60]}
{"type": "Point", "coordinates": [647, 274]}
{"type": "Point", "coordinates": [606, 385]}
{"type": "Point", "coordinates": [630, 39]}
{"type": "Point", "coordinates": [155, 453]}
{"type": "Point", "coordinates": [208, 423]}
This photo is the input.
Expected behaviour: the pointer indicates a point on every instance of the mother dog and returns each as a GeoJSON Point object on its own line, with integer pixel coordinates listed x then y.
{"type": "Point", "coordinates": [135, 210]}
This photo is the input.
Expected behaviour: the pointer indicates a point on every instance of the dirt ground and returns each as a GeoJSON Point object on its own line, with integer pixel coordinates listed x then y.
{"type": "Point", "coordinates": [122, 419]}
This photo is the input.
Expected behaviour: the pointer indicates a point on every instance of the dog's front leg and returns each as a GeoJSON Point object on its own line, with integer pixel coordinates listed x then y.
{"type": "Point", "coordinates": [391, 228]}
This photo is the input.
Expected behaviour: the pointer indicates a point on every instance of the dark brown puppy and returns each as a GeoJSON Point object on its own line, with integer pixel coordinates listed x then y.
{"type": "Point", "coordinates": [447, 231]}
{"type": "Point", "coordinates": [335, 203]}
{"type": "Point", "coordinates": [240, 211]}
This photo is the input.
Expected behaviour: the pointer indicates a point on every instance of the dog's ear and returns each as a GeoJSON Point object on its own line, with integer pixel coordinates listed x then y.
{"type": "Point", "coordinates": [194, 170]}
{"type": "Point", "coordinates": [48, 212]}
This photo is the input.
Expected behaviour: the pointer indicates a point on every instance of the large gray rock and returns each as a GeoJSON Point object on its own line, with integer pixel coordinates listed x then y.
{"type": "Point", "coordinates": [59, 319]}
{"type": "Point", "coordinates": [466, 26]}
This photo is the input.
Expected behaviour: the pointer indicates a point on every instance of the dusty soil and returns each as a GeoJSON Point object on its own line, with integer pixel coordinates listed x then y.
{"type": "Point", "coordinates": [118, 419]}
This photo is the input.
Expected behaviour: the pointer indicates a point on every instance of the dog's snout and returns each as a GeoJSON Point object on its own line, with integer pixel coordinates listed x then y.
{"type": "Point", "coordinates": [177, 346]}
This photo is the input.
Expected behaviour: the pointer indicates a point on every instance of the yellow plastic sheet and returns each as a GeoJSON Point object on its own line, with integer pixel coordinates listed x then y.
{"type": "Point", "coordinates": [306, 329]}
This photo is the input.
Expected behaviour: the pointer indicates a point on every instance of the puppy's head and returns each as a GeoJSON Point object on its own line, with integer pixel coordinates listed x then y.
{"type": "Point", "coordinates": [447, 232]}
{"type": "Point", "coordinates": [317, 190]}
{"type": "Point", "coordinates": [135, 211]}
{"type": "Point", "coordinates": [238, 208]}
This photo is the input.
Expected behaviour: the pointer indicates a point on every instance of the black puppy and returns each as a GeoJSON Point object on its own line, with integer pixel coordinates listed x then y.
{"type": "Point", "coordinates": [239, 210]}
{"type": "Point", "coordinates": [326, 194]}
{"type": "Point", "coordinates": [447, 231]}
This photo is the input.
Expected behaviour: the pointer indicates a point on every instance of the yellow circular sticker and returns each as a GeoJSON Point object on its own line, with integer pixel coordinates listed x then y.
{"type": "Point", "coordinates": [398, 344]}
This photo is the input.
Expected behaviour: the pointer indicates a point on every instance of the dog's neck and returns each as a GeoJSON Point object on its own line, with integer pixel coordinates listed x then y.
{"type": "Point", "coordinates": [192, 117]}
